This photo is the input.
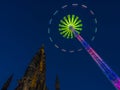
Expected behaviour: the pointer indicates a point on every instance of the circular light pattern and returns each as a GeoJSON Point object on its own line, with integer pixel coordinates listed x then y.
{"type": "Point", "coordinates": [67, 22]}
{"type": "Point", "coordinates": [58, 30]}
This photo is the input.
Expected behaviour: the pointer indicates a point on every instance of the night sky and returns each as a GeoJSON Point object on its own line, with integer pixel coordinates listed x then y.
{"type": "Point", "coordinates": [23, 29]}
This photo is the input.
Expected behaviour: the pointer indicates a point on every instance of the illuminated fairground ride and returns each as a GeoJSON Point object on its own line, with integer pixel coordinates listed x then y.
{"type": "Point", "coordinates": [68, 24]}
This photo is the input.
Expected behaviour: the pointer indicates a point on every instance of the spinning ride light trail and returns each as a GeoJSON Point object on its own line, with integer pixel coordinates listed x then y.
{"type": "Point", "coordinates": [112, 76]}
{"type": "Point", "coordinates": [87, 23]}
{"type": "Point", "coordinates": [71, 27]}
{"type": "Point", "coordinates": [68, 21]}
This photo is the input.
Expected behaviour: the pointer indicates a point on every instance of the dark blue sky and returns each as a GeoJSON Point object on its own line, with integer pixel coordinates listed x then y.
{"type": "Point", "coordinates": [23, 28]}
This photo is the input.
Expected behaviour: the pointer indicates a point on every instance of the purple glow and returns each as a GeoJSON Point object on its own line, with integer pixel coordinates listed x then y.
{"type": "Point", "coordinates": [112, 76]}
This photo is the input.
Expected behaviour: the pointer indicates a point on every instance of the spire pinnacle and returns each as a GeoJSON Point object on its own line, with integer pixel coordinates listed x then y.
{"type": "Point", "coordinates": [7, 83]}
{"type": "Point", "coordinates": [57, 84]}
{"type": "Point", "coordinates": [43, 46]}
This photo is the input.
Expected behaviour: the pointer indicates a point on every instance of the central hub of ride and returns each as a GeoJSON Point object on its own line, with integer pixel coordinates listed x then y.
{"type": "Point", "coordinates": [71, 28]}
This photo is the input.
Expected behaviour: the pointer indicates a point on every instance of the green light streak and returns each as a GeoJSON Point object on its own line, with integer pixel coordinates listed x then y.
{"type": "Point", "coordinates": [66, 22]}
